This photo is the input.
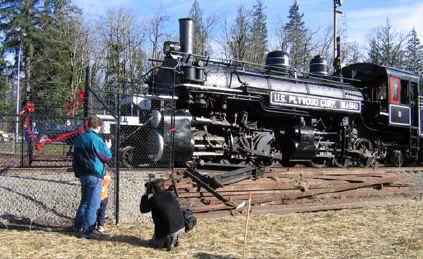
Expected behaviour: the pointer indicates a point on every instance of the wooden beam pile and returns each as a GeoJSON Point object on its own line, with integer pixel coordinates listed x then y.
{"type": "Point", "coordinates": [279, 189]}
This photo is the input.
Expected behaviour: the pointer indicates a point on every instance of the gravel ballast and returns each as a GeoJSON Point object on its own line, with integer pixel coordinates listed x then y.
{"type": "Point", "coordinates": [52, 198]}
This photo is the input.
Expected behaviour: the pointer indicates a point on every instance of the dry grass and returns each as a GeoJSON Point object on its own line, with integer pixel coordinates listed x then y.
{"type": "Point", "coordinates": [378, 232]}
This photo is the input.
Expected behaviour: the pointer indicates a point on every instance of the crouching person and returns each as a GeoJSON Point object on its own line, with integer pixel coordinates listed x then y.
{"type": "Point", "coordinates": [166, 212]}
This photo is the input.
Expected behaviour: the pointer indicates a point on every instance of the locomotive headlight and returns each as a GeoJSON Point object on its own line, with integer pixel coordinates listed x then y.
{"type": "Point", "coordinates": [170, 46]}
{"type": "Point", "coordinates": [156, 118]}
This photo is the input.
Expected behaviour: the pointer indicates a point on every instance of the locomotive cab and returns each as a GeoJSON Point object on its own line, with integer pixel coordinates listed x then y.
{"type": "Point", "coordinates": [391, 111]}
{"type": "Point", "coordinates": [391, 95]}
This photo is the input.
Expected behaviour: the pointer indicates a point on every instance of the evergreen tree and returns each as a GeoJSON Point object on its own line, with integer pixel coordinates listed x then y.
{"type": "Point", "coordinates": [59, 66]}
{"type": "Point", "coordinates": [5, 86]}
{"type": "Point", "coordinates": [414, 53]}
{"type": "Point", "coordinates": [124, 57]}
{"type": "Point", "coordinates": [387, 47]}
{"type": "Point", "coordinates": [294, 39]}
{"type": "Point", "coordinates": [258, 33]}
{"type": "Point", "coordinates": [374, 53]}
{"type": "Point", "coordinates": [46, 31]}
{"type": "Point", "coordinates": [202, 28]}
{"type": "Point", "coordinates": [199, 44]}
{"type": "Point", "coordinates": [247, 40]}
{"type": "Point", "coordinates": [238, 41]}
{"type": "Point", "coordinates": [22, 21]}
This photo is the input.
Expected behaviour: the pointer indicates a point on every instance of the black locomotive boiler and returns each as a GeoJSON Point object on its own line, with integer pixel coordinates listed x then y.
{"type": "Point", "coordinates": [233, 112]}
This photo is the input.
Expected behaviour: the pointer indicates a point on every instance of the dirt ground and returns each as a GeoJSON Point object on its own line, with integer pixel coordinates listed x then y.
{"type": "Point", "coordinates": [376, 232]}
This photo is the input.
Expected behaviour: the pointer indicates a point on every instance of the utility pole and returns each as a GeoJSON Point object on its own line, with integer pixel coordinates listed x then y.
{"type": "Point", "coordinates": [18, 93]}
{"type": "Point", "coordinates": [336, 39]}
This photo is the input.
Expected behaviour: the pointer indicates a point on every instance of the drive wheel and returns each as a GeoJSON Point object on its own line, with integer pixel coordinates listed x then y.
{"type": "Point", "coordinates": [319, 163]}
{"type": "Point", "coordinates": [366, 154]}
{"type": "Point", "coordinates": [342, 162]}
{"type": "Point", "coordinates": [397, 158]}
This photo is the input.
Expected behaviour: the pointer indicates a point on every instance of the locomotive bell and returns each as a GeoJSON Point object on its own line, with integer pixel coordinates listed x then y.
{"type": "Point", "coordinates": [169, 46]}
{"type": "Point", "coordinates": [277, 60]}
{"type": "Point", "coordinates": [319, 66]}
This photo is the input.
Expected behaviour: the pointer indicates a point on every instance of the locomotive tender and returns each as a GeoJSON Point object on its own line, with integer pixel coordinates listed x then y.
{"type": "Point", "coordinates": [233, 112]}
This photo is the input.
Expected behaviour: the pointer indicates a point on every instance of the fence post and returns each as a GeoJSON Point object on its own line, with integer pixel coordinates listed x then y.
{"type": "Point", "coordinates": [117, 144]}
{"type": "Point", "coordinates": [22, 143]}
{"type": "Point", "coordinates": [29, 99]}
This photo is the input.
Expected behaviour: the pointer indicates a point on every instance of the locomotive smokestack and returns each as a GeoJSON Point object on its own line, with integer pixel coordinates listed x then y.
{"type": "Point", "coordinates": [186, 35]}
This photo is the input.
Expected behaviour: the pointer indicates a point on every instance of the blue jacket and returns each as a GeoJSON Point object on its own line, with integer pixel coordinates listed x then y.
{"type": "Point", "coordinates": [90, 152]}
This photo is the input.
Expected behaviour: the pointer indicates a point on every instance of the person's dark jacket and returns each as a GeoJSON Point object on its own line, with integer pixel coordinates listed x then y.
{"type": "Point", "coordinates": [166, 212]}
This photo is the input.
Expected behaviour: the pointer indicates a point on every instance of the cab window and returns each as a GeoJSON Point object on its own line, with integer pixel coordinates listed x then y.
{"type": "Point", "coordinates": [381, 92]}
{"type": "Point", "coordinates": [395, 90]}
{"type": "Point", "coordinates": [413, 91]}
{"type": "Point", "coordinates": [405, 94]}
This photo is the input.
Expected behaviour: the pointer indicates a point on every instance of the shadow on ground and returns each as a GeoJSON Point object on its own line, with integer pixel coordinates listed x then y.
{"type": "Point", "coordinates": [212, 256]}
{"type": "Point", "coordinates": [12, 222]}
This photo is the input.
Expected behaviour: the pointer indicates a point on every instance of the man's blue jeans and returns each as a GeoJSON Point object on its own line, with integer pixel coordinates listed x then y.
{"type": "Point", "coordinates": [86, 215]}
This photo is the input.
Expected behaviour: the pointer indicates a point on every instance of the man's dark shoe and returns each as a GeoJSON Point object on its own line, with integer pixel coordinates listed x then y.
{"type": "Point", "coordinates": [177, 243]}
{"type": "Point", "coordinates": [75, 229]}
{"type": "Point", "coordinates": [70, 229]}
{"type": "Point", "coordinates": [169, 243]}
{"type": "Point", "coordinates": [90, 236]}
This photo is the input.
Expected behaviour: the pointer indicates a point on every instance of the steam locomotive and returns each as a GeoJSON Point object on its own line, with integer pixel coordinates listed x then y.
{"type": "Point", "coordinates": [233, 112]}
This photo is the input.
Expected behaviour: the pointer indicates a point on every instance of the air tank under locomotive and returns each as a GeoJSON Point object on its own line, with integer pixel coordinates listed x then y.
{"type": "Point", "coordinates": [233, 112]}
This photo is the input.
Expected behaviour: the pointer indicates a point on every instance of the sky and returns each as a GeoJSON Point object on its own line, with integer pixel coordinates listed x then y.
{"type": "Point", "coordinates": [360, 18]}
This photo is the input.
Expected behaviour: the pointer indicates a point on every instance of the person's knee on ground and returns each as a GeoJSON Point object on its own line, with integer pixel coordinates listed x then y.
{"type": "Point", "coordinates": [157, 242]}
{"type": "Point", "coordinates": [172, 240]}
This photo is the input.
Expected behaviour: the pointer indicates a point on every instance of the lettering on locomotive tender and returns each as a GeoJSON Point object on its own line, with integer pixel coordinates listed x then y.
{"type": "Point", "coordinates": [304, 101]}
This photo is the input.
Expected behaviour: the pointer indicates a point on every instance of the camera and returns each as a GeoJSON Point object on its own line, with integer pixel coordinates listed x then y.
{"type": "Point", "coordinates": [148, 187]}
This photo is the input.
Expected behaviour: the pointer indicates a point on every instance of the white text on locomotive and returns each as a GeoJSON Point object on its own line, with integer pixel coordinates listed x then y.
{"type": "Point", "coordinates": [303, 101]}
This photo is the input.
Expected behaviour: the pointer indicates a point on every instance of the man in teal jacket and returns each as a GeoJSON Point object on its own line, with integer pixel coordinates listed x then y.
{"type": "Point", "coordinates": [89, 155]}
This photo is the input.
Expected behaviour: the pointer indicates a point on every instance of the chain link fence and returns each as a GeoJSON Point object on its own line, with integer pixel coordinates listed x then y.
{"type": "Point", "coordinates": [146, 131]}
{"type": "Point", "coordinates": [46, 146]}
{"type": "Point", "coordinates": [142, 130]}
{"type": "Point", "coordinates": [41, 134]}
{"type": "Point", "coordinates": [11, 141]}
